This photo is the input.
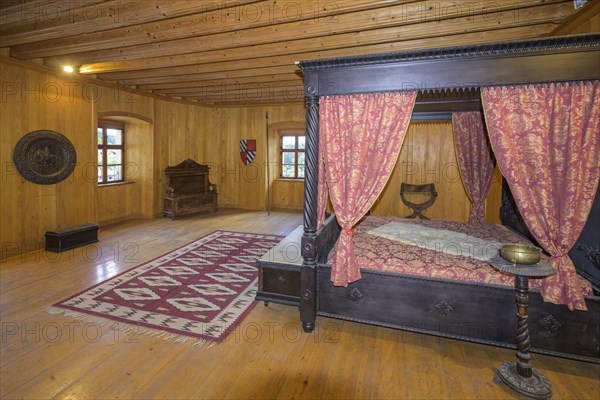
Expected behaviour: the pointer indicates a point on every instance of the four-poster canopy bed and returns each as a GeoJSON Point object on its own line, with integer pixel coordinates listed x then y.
{"type": "Point", "coordinates": [447, 81]}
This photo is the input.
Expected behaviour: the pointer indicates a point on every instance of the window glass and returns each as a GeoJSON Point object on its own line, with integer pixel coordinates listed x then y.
{"type": "Point", "coordinates": [287, 171]}
{"type": "Point", "coordinates": [292, 156]}
{"type": "Point", "coordinates": [114, 156]}
{"type": "Point", "coordinates": [288, 142]}
{"type": "Point", "coordinates": [111, 152]}
{"type": "Point", "coordinates": [114, 136]}
{"type": "Point", "coordinates": [114, 173]}
{"type": "Point", "coordinates": [301, 142]}
{"type": "Point", "coordinates": [289, 158]}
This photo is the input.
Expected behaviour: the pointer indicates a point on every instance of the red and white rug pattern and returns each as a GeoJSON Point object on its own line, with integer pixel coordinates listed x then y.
{"type": "Point", "coordinates": [201, 290]}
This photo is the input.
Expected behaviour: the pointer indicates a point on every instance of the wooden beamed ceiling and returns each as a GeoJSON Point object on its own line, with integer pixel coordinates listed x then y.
{"type": "Point", "coordinates": [237, 52]}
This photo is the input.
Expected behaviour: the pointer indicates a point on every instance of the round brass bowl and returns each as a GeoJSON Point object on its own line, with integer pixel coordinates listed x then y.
{"type": "Point", "coordinates": [520, 253]}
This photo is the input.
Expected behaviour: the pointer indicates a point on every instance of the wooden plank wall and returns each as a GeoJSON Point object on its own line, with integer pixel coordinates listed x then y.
{"type": "Point", "coordinates": [425, 158]}
{"type": "Point", "coordinates": [136, 198]}
{"type": "Point", "coordinates": [246, 186]}
{"type": "Point", "coordinates": [428, 156]}
{"type": "Point", "coordinates": [175, 132]}
{"type": "Point", "coordinates": [132, 200]}
{"type": "Point", "coordinates": [32, 100]}
{"type": "Point", "coordinates": [181, 131]}
{"type": "Point", "coordinates": [285, 193]}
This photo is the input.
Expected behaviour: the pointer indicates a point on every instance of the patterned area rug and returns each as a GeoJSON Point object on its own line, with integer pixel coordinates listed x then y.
{"type": "Point", "coordinates": [200, 291]}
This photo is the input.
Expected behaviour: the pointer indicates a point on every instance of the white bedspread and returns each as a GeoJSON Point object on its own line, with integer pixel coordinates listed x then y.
{"type": "Point", "coordinates": [442, 240]}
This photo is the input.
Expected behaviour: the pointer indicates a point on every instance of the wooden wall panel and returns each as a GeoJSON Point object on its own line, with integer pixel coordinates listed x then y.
{"type": "Point", "coordinates": [427, 156]}
{"type": "Point", "coordinates": [118, 203]}
{"type": "Point", "coordinates": [285, 193]}
{"type": "Point", "coordinates": [242, 186]}
{"type": "Point", "coordinates": [162, 126]}
{"type": "Point", "coordinates": [181, 131]}
{"type": "Point", "coordinates": [136, 199]}
{"type": "Point", "coordinates": [33, 100]}
{"type": "Point", "coordinates": [108, 100]}
{"type": "Point", "coordinates": [140, 165]}
{"type": "Point", "coordinates": [246, 186]}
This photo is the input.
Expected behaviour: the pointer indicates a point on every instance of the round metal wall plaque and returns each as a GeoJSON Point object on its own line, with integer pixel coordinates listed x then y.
{"type": "Point", "coordinates": [44, 157]}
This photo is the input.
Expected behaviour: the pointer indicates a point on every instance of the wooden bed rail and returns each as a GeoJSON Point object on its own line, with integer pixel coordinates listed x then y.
{"type": "Point", "coordinates": [327, 236]}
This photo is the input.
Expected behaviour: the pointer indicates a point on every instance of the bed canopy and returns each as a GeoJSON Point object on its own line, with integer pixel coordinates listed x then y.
{"type": "Point", "coordinates": [440, 83]}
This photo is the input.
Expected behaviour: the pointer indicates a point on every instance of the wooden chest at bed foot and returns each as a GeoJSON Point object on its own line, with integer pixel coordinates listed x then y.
{"type": "Point", "coordinates": [69, 238]}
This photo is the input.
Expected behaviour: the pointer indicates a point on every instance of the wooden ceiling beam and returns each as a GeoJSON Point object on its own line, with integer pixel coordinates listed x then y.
{"type": "Point", "coordinates": [345, 22]}
{"type": "Point", "coordinates": [242, 52]}
{"type": "Point", "coordinates": [554, 14]}
{"type": "Point", "coordinates": [583, 16]}
{"type": "Point", "coordinates": [275, 33]}
{"type": "Point", "coordinates": [287, 61]}
{"type": "Point", "coordinates": [226, 84]}
{"type": "Point", "coordinates": [213, 73]}
{"type": "Point", "coordinates": [18, 12]}
{"type": "Point", "coordinates": [212, 88]}
{"type": "Point", "coordinates": [98, 17]}
{"type": "Point", "coordinates": [236, 18]}
{"type": "Point", "coordinates": [260, 95]}
{"type": "Point", "coordinates": [272, 103]}
{"type": "Point", "coordinates": [395, 19]}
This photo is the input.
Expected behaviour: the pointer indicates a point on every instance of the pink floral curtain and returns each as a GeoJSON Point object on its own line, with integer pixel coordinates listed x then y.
{"type": "Point", "coordinates": [546, 139]}
{"type": "Point", "coordinates": [360, 138]}
{"type": "Point", "coordinates": [322, 189]}
{"type": "Point", "coordinates": [475, 160]}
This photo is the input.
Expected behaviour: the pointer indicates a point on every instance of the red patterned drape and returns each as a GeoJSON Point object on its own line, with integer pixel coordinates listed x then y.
{"type": "Point", "coordinates": [322, 195]}
{"type": "Point", "coordinates": [546, 139]}
{"type": "Point", "coordinates": [360, 138]}
{"type": "Point", "coordinates": [475, 160]}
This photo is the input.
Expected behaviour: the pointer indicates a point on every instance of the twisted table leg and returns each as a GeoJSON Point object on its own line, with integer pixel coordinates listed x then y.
{"type": "Point", "coordinates": [520, 376]}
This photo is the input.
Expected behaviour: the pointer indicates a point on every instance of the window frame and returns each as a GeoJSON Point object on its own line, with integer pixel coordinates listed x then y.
{"type": "Point", "coordinates": [105, 124]}
{"type": "Point", "coordinates": [296, 150]}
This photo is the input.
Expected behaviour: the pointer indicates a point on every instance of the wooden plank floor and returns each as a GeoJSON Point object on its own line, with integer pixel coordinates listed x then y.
{"type": "Point", "coordinates": [52, 356]}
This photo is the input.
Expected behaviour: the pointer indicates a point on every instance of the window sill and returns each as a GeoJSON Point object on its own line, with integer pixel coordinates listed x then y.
{"type": "Point", "coordinates": [101, 185]}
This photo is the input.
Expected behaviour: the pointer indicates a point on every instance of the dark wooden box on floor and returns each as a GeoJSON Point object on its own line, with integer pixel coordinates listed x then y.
{"type": "Point", "coordinates": [70, 238]}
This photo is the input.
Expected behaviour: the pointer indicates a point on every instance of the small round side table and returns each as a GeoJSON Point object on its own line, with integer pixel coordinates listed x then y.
{"type": "Point", "coordinates": [519, 375]}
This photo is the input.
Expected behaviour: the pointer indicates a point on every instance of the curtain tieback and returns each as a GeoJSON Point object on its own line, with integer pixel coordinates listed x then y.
{"type": "Point", "coordinates": [349, 231]}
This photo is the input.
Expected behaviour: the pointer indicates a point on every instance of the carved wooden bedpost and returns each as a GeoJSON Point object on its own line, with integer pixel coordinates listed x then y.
{"type": "Point", "coordinates": [308, 303]}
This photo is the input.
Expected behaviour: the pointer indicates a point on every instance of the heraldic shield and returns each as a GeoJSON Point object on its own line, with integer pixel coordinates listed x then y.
{"type": "Point", "coordinates": [248, 150]}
